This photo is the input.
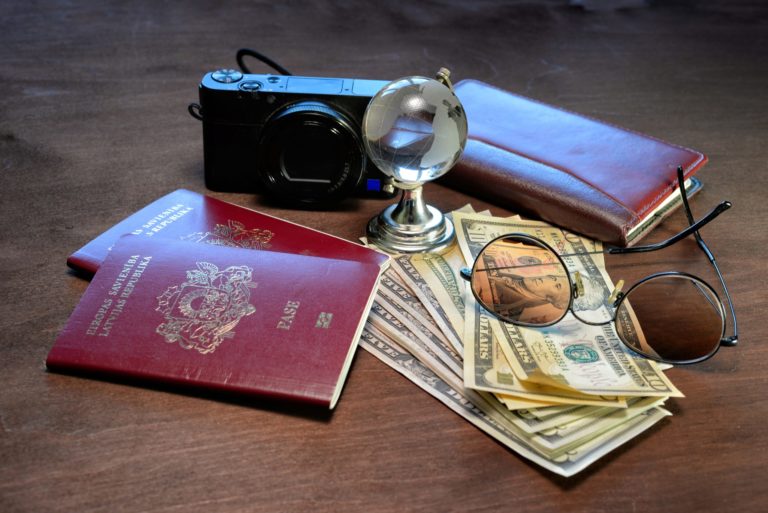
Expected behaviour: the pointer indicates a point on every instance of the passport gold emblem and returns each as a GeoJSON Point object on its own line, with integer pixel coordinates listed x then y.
{"type": "Point", "coordinates": [234, 234]}
{"type": "Point", "coordinates": [204, 310]}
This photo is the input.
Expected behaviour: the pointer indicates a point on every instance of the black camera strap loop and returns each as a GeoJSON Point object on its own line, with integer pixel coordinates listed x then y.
{"type": "Point", "coordinates": [263, 58]}
{"type": "Point", "coordinates": [196, 111]}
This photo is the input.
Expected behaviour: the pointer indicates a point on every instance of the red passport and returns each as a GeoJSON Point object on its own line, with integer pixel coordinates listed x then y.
{"type": "Point", "coordinates": [573, 171]}
{"type": "Point", "coordinates": [187, 215]}
{"type": "Point", "coordinates": [216, 317]}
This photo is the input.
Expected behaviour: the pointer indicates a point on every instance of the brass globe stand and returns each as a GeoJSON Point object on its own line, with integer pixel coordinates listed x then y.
{"type": "Point", "coordinates": [412, 226]}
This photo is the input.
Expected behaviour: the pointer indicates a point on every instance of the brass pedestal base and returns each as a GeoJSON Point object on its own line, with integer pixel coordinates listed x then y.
{"type": "Point", "coordinates": [411, 226]}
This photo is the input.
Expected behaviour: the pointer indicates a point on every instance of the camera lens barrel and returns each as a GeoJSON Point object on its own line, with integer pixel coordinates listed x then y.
{"type": "Point", "coordinates": [310, 154]}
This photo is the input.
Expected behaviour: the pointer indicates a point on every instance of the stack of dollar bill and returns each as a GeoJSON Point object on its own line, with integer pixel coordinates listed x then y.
{"type": "Point", "coordinates": [561, 396]}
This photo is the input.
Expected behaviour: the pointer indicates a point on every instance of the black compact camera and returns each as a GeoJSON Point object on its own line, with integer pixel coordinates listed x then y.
{"type": "Point", "coordinates": [296, 138]}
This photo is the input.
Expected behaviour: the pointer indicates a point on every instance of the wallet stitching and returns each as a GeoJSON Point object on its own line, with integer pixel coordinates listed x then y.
{"type": "Point", "coordinates": [644, 208]}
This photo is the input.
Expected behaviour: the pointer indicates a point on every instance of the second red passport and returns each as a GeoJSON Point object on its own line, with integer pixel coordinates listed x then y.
{"type": "Point", "coordinates": [255, 322]}
{"type": "Point", "coordinates": [189, 216]}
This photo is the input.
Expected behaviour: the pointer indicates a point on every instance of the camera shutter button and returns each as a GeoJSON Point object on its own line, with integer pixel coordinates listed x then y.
{"type": "Point", "coordinates": [227, 76]}
{"type": "Point", "coordinates": [250, 86]}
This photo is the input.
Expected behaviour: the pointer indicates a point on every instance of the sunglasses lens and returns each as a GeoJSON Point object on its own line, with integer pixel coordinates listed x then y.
{"type": "Point", "coordinates": [680, 317]}
{"type": "Point", "coordinates": [521, 281]}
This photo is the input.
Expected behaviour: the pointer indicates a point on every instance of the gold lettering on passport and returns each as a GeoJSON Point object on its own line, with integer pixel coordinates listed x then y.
{"type": "Point", "coordinates": [233, 234]}
{"type": "Point", "coordinates": [121, 289]}
{"type": "Point", "coordinates": [289, 314]}
{"type": "Point", "coordinates": [324, 320]}
{"type": "Point", "coordinates": [163, 219]}
{"type": "Point", "coordinates": [93, 327]}
{"type": "Point", "coordinates": [117, 285]}
{"type": "Point", "coordinates": [205, 309]}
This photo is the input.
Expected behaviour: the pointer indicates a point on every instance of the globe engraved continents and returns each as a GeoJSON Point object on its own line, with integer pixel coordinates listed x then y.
{"type": "Point", "coordinates": [415, 129]}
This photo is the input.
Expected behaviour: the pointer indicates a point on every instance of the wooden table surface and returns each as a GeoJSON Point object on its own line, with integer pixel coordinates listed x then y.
{"type": "Point", "coordinates": [93, 125]}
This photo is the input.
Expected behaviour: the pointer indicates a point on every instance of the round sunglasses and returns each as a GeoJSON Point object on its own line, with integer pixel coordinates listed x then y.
{"type": "Point", "coordinates": [672, 316]}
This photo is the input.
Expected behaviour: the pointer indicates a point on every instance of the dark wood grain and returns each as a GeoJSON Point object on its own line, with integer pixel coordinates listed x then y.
{"type": "Point", "coordinates": [93, 125]}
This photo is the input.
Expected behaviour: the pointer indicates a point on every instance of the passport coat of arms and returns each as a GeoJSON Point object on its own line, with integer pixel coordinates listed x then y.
{"type": "Point", "coordinates": [205, 309]}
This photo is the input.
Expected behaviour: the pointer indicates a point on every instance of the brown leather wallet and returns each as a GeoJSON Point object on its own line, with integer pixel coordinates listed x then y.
{"type": "Point", "coordinates": [585, 175]}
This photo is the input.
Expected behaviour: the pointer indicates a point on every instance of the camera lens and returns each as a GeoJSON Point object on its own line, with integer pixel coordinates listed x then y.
{"type": "Point", "coordinates": [310, 154]}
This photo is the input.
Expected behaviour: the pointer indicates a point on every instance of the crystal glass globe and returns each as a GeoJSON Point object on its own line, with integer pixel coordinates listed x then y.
{"type": "Point", "coordinates": [414, 130]}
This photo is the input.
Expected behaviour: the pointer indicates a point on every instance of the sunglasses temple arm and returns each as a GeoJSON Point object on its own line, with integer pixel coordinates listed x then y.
{"type": "Point", "coordinates": [722, 207]}
{"type": "Point", "coordinates": [733, 339]}
{"type": "Point", "coordinates": [693, 228]}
